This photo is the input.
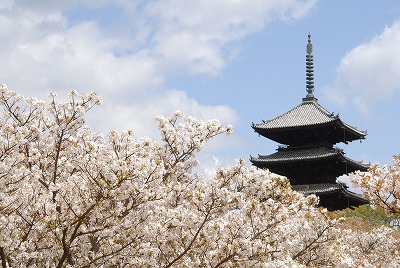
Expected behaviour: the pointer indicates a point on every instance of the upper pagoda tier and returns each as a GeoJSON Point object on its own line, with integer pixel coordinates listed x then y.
{"type": "Point", "coordinates": [308, 122]}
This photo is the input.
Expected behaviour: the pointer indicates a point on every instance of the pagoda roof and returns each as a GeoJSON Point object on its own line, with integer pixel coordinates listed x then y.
{"type": "Point", "coordinates": [317, 188]}
{"type": "Point", "coordinates": [309, 114]}
{"type": "Point", "coordinates": [305, 154]}
{"type": "Point", "coordinates": [320, 189]}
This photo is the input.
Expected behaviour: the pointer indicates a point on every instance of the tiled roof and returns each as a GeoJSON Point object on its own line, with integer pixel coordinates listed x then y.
{"type": "Point", "coordinates": [307, 113]}
{"type": "Point", "coordinates": [296, 155]}
{"type": "Point", "coordinates": [326, 188]}
{"type": "Point", "coordinates": [317, 188]}
{"type": "Point", "coordinates": [304, 155]}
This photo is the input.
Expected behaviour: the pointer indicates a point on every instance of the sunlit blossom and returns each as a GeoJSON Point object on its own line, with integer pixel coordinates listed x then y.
{"type": "Point", "coordinates": [70, 197]}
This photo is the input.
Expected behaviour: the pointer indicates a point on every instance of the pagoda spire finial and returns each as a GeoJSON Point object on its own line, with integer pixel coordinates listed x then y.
{"type": "Point", "coordinates": [309, 69]}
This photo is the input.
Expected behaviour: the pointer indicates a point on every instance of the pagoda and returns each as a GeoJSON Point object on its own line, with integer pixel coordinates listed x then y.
{"type": "Point", "coordinates": [307, 155]}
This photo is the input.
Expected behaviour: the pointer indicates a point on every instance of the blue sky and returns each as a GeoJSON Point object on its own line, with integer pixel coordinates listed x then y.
{"type": "Point", "coordinates": [240, 61]}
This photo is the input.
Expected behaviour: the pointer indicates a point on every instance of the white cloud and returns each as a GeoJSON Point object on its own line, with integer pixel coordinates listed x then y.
{"type": "Point", "coordinates": [184, 51]}
{"type": "Point", "coordinates": [139, 117]}
{"type": "Point", "coordinates": [192, 37]}
{"type": "Point", "coordinates": [45, 5]}
{"type": "Point", "coordinates": [128, 60]}
{"type": "Point", "coordinates": [369, 73]}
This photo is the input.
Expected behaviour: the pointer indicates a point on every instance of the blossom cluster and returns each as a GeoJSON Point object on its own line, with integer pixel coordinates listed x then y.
{"type": "Point", "coordinates": [381, 184]}
{"type": "Point", "coordinates": [70, 197]}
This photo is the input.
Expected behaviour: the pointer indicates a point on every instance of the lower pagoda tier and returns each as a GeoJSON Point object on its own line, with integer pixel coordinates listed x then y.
{"type": "Point", "coordinates": [333, 196]}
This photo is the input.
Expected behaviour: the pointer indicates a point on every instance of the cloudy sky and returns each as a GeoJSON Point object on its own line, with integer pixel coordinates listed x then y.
{"type": "Point", "coordinates": [240, 61]}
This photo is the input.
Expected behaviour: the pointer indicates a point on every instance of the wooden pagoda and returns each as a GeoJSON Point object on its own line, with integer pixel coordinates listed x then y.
{"type": "Point", "coordinates": [307, 155]}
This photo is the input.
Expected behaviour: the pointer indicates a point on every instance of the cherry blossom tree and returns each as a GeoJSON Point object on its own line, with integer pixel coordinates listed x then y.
{"type": "Point", "coordinates": [70, 197]}
{"type": "Point", "coordinates": [366, 239]}
{"type": "Point", "coordinates": [381, 184]}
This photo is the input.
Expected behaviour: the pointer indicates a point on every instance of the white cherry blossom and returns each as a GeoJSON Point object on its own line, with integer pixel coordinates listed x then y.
{"type": "Point", "coordinates": [70, 197]}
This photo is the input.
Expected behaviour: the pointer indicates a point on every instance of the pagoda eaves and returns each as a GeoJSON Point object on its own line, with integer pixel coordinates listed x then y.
{"type": "Point", "coordinates": [310, 154]}
{"type": "Point", "coordinates": [311, 165]}
{"type": "Point", "coordinates": [313, 121]}
{"type": "Point", "coordinates": [332, 195]}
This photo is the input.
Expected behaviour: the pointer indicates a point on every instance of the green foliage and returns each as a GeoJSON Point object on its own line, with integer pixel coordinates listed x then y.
{"type": "Point", "coordinates": [372, 216]}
